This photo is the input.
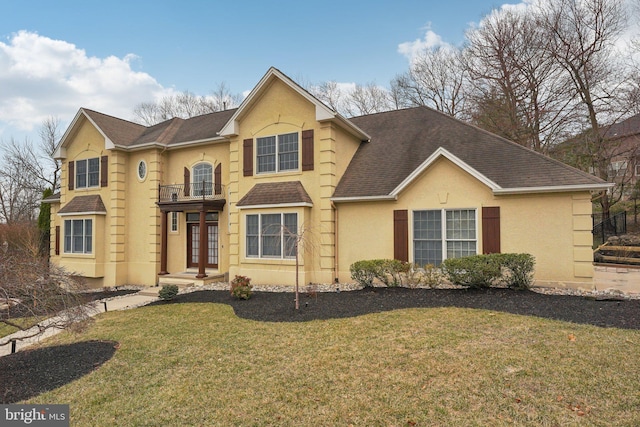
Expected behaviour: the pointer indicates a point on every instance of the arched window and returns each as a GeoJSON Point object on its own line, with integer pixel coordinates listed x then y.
{"type": "Point", "coordinates": [203, 179]}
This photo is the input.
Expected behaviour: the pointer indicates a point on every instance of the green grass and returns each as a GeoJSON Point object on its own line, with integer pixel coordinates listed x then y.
{"type": "Point", "coordinates": [25, 322]}
{"type": "Point", "coordinates": [198, 364]}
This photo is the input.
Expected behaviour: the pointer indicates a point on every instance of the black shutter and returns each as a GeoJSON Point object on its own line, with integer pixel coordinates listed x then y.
{"type": "Point", "coordinates": [217, 179]}
{"type": "Point", "coordinates": [72, 175]}
{"type": "Point", "coordinates": [307, 150]}
{"type": "Point", "coordinates": [401, 235]}
{"type": "Point", "coordinates": [491, 230]}
{"type": "Point", "coordinates": [57, 240]}
{"type": "Point", "coordinates": [104, 171]}
{"type": "Point", "coordinates": [247, 157]}
{"type": "Point", "coordinates": [187, 182]}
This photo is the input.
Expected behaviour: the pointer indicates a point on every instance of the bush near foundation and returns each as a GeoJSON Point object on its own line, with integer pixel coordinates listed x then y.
{"type": "Point", "coordinates": [241, 287]}
{"type": "Point", "coordinates": [168, 292]}
{"type": "Point", "coordinates": [483, 271]}
{"type": "Point", "coordinates": [390, 272]}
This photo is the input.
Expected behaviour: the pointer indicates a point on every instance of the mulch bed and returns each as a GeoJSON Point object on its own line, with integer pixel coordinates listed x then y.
{"type": "Point", "coordinates": [279, 306]}
{"type": "Point", "coordinates": [30, 372]}
{"type": "Point", "coordinates": [36, 371]}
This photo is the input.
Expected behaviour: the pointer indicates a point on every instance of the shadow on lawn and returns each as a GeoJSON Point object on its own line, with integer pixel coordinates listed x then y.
{"type": "Point", "coordinates": [28, 373]}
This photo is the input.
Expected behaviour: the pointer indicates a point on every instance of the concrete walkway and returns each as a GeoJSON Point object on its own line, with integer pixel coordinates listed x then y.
{"type": "Point", "coordinates": [125, 302]}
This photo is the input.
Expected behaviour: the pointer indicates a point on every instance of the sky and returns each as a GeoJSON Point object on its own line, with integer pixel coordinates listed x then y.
{"type": "Point", "coordinates": [59, 56]}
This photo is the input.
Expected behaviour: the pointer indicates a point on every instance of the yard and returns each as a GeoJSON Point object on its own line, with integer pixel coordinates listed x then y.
{"type": "Point", "coordinates": [200, 364]}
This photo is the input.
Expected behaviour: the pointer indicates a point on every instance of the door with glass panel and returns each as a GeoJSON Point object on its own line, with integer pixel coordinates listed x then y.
{"type": "Point", "coordinates": [193, 241]}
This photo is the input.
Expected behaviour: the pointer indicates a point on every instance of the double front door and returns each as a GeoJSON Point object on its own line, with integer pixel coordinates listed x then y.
{"type": "Point", "coordinates": [211, 244]}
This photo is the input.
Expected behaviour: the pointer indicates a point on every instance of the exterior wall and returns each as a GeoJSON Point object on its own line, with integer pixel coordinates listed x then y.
{"type": "Point", "coordinates": [90, 144]}
{"type": "Point", "coordinates": [554, 228]}
{"type": "Point", "coordinates": [282, 110]}
{"type": "Point", "coordinates": [172, 164]}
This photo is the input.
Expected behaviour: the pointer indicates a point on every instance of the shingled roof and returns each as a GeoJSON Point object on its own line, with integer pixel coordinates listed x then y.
{"type": "Point", "coordinates": [403, 140]}
{"type": "Point", "coordinates": [174, 131]}
{"type": "Point", "coordinates": [84, 205]}
{"type": "Point", "coordinates": [276, 193]}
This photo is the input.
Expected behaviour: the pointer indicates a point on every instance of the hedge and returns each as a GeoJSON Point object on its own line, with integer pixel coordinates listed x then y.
{"type": "Point", "coordinates": [482, 271]}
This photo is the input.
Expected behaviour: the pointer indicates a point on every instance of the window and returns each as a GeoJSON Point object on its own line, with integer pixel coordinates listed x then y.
{"type": "Point", "coordinates": [203, 179]}
{"type": "Point", "coordinates": [435, 240]}
{"type": "Point", "coordinates": [271, 235]}
{"type": "Point", "coordinates": [78, 236]}
{"type": "Point", "coordinates": [617, 168]}
{"type": "Point", "coordinates": [142, 170]}
{"type": "Point", "coordinates": [277, 153]}
{"type": "Point", "coordinates": [174, 222]}
{"type": "Point", "coordinates": [88, 173]}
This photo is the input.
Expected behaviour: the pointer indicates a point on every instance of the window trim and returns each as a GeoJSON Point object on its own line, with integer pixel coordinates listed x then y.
{"type": "Point", "coordinates": [144, 165]}
{"type": "Point", "coordinates": [174, 221]}
{"type": "Point", "coordinates": [444, 239]}
{"type": "Point", "coordinates": [277, 153]}
{"type": "Point", "coordinates": [282, 237]}
{"type": "Point", "coordinates": [209, 182]}
{"type": "Point", "coordinates": [69, 246]}
{"type": "Point", "coordinates": [87, 173]}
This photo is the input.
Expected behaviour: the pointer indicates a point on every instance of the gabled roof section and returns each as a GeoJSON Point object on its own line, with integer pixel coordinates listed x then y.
{"type": "Point", "coordinates": [113, 129]}
{"type": "Point", "coordinates": [323, 112]}
{"type": "Point", "coordinates": [126, 135]}
{"type": "Point", "coordinates": [84, 205]}
{"type": "Point", "coordinates": [404, 143]}
{"type": "Point", "coordinates": [290, 193]}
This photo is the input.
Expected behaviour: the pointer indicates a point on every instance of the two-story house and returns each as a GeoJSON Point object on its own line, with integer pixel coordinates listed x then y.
{"type": "Point", "coordinates": [232, 192]}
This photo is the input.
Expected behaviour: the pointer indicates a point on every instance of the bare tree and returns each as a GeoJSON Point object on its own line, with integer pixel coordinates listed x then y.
{"type": "Point", "coordinates": [329, 93]}
{"type": "Point", "coordinates": [31, 291]}
{"type": "Point", "coordinates": [436, 78]}
{"type": "Point", "coordinates": [185, 105]}
{"type": "Point", "coordinates": [518, 91]}
{"type": "Point", "coordinates": [581, 41]}
{"type": "Point", "coordinates": [36, 160]}
{"type": "Point", "coordinates": [27, 170]}
{"type": "Point", "coordinates": [367, 99]}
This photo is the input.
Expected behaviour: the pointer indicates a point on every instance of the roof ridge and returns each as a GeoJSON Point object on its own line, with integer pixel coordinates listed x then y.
{"type": "Point", "coordinates": [170, 131]}
{"type": "Point", "coordinates": [513, 143]}
{"type": "Point", "coordinates": [112, 117]}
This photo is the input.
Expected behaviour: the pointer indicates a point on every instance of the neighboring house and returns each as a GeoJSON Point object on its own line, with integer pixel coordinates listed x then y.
{"type": "Point", "coordinates": [624, 140]}
{"type": "Point", "coordinates": [620, 152]}
{"type": "Point", "coordinates": [216, 194]}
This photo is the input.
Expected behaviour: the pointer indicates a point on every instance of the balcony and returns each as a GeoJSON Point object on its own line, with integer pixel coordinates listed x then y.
{"type": "Point", "coordinates": [179, 197]}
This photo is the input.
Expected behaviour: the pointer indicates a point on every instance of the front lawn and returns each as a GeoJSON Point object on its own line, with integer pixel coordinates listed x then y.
{"type": "Point", "coordinates": [198, 364]}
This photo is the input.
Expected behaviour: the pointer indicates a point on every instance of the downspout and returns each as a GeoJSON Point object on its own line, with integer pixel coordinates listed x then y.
{"type": "Point", "coordinates": [336, 266]}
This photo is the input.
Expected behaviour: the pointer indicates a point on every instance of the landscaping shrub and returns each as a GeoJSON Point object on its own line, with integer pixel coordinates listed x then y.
{"type": "Point", "coordinates": [428, 276]}
{"type": "Point", "coordinates": [389, 272]}
{"type": "Point", "coordinates": [168, 292]}
{"type": "Point", "coordinates": [519, 270]}
{"type": "Point", "coordinates": [241, 287]}
{"type": "Point", "coordinates": [477, 271]}
{"type": "Point", "coordinates": [364, 272]}
{"type": "Point", "coordinates": [482, 271]}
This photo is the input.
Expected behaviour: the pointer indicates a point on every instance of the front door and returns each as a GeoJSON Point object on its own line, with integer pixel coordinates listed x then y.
{"type": "Point", "coordinates": [193, 244]}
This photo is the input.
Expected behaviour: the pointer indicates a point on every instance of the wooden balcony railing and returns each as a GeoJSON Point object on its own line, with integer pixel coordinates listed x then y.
{"type": "Point", "coordinates": [176, 193]}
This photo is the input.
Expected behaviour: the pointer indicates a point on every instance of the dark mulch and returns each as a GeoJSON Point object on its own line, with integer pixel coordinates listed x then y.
{"type": "Point", "coordinates": [279, 307]}
{"type": "Point", "coordinates": [28, 373]}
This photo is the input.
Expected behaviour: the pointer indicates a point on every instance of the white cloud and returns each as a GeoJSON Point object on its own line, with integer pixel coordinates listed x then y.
{"type": "Point", "coordinates": [431, 41]}
{"type": "Point", "coordinates": [42, 77]}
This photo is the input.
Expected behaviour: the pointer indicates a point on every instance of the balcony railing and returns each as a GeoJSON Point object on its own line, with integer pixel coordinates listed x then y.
{"type": "Point", "coordinates": [175, 193]}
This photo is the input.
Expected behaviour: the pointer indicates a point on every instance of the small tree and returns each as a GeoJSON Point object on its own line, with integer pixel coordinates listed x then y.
{"type": "Point", "coordinates": [31, 289]}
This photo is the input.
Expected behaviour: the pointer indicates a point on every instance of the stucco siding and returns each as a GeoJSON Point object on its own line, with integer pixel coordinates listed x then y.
{"type": "Point", "coordinates": [548, 226]}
